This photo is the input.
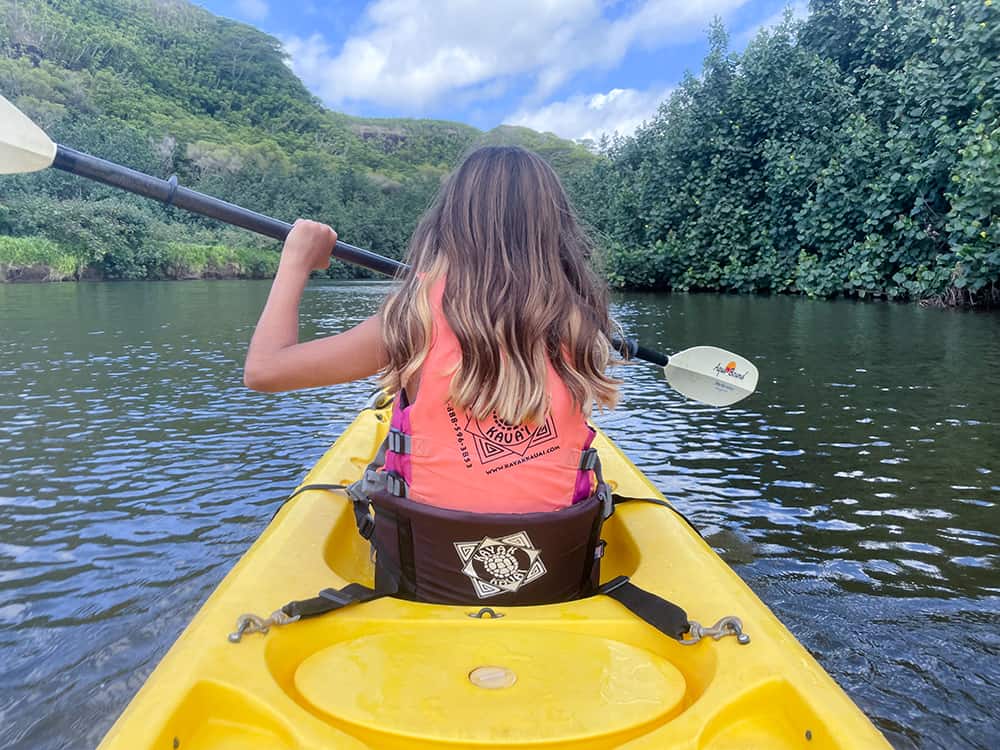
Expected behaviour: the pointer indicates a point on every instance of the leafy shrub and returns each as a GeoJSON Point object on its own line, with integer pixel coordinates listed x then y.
{"type": "Point", "coordinates": [856, 152]}
{"type": "Point", "coordinates": [185, 260]}
{"type": "Point", "coordinates": [37, 257]}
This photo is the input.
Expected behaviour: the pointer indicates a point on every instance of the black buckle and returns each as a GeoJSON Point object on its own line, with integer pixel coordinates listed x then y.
{"type": "Point", "coordinates": [366, 526]}
{"type": "Point", "coordinates": [365, 521]}
{"type": "Point", "coordinates": [396, 484]}
{"type": "Point", "coordinates": [607, 500]}
{"type": "Point", "coordinates": [398, 442]}
{"type": "Point", "coordinates": [588, 459]}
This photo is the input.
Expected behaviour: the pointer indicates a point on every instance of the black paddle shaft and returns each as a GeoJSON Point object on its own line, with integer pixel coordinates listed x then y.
{"type": "Point", "coordinates": [170, 193]}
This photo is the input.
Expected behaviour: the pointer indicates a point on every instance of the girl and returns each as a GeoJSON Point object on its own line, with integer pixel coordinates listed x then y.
{"type": "Point", "coordinates": [496, 342]}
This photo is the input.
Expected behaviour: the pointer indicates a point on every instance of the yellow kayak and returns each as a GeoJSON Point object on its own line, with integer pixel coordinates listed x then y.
{"type": "Point", "coordinates": [398, 674]}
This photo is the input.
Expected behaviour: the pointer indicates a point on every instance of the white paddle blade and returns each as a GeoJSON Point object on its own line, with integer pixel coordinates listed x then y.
{"type": "Point", "coordinates": [711, 375]}
{"type": "Point", "coordinates": [23, 145]}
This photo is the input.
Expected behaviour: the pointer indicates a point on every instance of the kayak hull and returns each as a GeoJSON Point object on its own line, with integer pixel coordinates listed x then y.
{"type": "Point", "coordinates": [398, 674]}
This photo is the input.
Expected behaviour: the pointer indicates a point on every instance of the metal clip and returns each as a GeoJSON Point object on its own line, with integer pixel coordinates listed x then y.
{"type": "Point", "coordinates": [379, 400]}
{"type": "Point", "coordinates": [251, 623]}
{"type": "Point", "coordinates": [728, 625]}
{"type": "Point", "coordinates": [486, 613]}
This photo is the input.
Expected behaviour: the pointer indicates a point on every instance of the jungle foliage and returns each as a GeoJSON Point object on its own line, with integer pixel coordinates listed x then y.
{"type": "Point", "coordinates": [166, 87]}
{"type": "Point", "coordinates": [854, 153]}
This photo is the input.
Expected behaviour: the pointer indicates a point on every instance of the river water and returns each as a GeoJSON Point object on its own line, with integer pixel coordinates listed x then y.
{"type": "Point", "coordinates": [856, 492]}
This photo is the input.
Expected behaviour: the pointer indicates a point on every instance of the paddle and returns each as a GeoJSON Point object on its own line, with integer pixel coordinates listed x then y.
{"type": "Point", "coordinates": [702, 373]}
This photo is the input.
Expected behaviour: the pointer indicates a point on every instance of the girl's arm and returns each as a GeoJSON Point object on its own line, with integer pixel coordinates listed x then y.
{"type": "Point", "coordinates": [275, 360]}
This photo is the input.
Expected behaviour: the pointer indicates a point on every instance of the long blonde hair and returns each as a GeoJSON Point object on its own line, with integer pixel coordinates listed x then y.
{"type": "Point", "coordinates": [519, 291]}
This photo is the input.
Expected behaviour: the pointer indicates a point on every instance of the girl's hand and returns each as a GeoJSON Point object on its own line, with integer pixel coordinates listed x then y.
{"type": "Point", "coordinates": [276, 361]}
{"type": "Point", "coordinates": [307, 247]}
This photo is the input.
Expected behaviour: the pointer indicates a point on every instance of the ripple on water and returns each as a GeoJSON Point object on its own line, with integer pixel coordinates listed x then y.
{"type": "Point", "coordinates": [856, 500]}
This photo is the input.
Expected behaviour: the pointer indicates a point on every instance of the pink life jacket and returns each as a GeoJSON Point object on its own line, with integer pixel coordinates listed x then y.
{"type": "Point", "coordinates": [440, 456]}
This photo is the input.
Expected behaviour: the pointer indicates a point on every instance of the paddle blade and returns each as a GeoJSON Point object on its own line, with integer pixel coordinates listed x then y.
{"type": "Point", "coordinates": [711, 375]}
{"type": "Point", "coordinates": [23, 145]}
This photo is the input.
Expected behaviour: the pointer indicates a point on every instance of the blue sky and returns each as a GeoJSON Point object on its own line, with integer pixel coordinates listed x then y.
{"type": "Point", "coordinates": [574, 67]}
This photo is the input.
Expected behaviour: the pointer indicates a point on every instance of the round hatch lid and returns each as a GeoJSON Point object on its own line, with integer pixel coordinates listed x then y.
{"type": "Point", "coordinates": [518, 686]}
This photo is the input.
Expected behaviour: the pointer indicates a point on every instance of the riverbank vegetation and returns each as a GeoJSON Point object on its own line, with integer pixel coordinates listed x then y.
{"type": "Point", "coordinates": [40, 259]}
{"type": "Point", "coordinates": [854, 153]}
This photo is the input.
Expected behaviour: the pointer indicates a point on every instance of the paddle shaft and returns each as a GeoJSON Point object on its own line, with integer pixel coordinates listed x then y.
{"type": "Point", "coordinates": [641, 352]}
{"type": "Point", "coordinates": [170, 193]}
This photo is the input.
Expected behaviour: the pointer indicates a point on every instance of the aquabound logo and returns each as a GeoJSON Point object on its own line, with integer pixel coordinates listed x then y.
{"type": "Point", "coordinates": [729, 370]}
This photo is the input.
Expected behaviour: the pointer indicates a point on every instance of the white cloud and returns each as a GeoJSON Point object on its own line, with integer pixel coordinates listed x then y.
{"type": "Point", "coordinates": [255, 10]}
{"type": "Point", "coordinates": [412, 53]}
{"type": "Point", "coordinates": [591, 115]}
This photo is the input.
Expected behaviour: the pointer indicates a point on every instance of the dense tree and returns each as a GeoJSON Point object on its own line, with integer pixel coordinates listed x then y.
{"type": "Point", "coordinates": [857, 152]}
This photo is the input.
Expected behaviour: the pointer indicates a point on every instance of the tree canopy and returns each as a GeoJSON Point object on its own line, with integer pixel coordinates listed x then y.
{"type": "Point", "coordinates": [856, 152]}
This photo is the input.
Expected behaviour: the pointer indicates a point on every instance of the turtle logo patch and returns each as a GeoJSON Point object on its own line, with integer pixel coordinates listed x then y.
{"type": "Point", "coordinates": [496, 566]}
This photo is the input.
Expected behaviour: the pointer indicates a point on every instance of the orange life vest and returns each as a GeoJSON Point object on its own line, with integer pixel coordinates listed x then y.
{"type": "Point", "coordinates": [447, 458]}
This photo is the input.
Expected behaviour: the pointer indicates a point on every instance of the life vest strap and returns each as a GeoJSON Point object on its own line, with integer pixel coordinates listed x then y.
{"type": "Point", "coordinates": [329, 600]}
{"type": "Point", "coordinates": [396, 485]}
{"type": "Point", "coordinates": [663, 615]}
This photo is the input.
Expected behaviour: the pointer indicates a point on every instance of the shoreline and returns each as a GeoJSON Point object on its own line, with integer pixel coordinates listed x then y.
{"type": "Point", "coordinates": [33, 260]}
{"type": "Point", "coordinates": [39, 274]}
{"type": "Point", "coordinates": [40, 260]}
{"type": "Point", "coordinates": [43, 274]}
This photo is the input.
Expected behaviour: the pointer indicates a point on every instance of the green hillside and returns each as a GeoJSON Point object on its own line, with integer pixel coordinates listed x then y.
{"type": "Point", "coordinates": [166, 87]}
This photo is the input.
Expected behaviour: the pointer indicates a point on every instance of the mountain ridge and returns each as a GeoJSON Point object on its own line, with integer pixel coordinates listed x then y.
{"type": "Point", "coordinates": [182, 56]}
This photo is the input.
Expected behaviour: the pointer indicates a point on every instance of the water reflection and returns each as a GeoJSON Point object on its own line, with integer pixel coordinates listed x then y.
{"type": "Point", "coordinates": [856, 492]}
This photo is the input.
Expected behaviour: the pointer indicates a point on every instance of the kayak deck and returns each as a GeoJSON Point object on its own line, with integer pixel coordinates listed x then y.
{"type": "Point", "coordinates": [400, 674]}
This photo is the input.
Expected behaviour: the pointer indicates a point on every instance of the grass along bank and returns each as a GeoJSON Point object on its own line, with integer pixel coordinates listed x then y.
{"type": "Point", "coordinates": [40, 259]}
